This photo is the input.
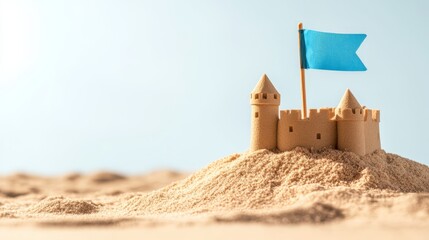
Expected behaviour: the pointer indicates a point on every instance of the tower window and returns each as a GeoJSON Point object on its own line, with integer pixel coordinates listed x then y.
{"type": "Point", "coordinates": [290, 129]}
{"type": "Point", "coordinates": [275, 96]}
{"type": "Point", "coordinates": [264, 95]}
{"type": "Point", "coordinates": [318, 136]}
{"type": "Point", "coordinates": [256, 96]}
{"type": "Point", "coordinates": [256, 114]}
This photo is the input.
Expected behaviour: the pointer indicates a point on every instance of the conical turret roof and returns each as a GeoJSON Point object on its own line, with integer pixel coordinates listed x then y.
{"type": "Point", "coordinates": [349, 101]}
{"type": "Point", "coordinates": [264, 86]}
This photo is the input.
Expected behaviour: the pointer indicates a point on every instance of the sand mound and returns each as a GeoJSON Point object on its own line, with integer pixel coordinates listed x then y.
{"type": "Point", "coordinates": [72, 176]}
{"type": "Point", "coordinates": [60, 205]}
{"type": "Point", "coordinates": [12, 194]}
{"type": "Point", "coordinates": [164, 174]}
{"type": "Point", "coordinates": [264, 179]}
{"type": "Point", "coordinates": [103, 177]}
{"type": "Point", "coordinates": [18, 176]}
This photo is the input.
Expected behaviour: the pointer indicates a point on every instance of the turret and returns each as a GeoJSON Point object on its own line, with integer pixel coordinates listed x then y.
{"type": "Point", "coordinates": [350, 125]}
{"type": "Point", "coordinates": [265, 101]}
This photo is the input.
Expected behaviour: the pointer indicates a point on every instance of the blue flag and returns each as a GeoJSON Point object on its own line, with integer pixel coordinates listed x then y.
{"type": "Point", "coordinates": [330, 51]}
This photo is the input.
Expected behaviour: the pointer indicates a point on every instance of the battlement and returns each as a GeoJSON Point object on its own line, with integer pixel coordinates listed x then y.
{"type": "Point", "coordinates": [265, 98]}
{"type": "Point", "coordinates": [321, 114]}
{"type": "Point", "coordinates": [355, 114]}
{"type": "Point", "coordinates": [371, 114]}
{"type": "Point", "coordinates": [292, 114]}
{"type": "Point", "coordinates": [358, 114]}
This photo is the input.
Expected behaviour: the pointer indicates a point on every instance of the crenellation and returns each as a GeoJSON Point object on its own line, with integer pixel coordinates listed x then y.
{"type": "Point", "coordinates": [376, 115]}
{"type": "Point", "coordinates": [321, 114]}
{"type": "Point", "coordinates": [332, 114]}
{"type": "Point", "coordinates": [367, 114]}
{"type": "Point", "coordinates": [350, 114]}
{"type": "Point", "coordinates": [290, 114]}
{"type": "Point", "coordinates": [372, 115]}
{"type": "Point", "coordinates": [313, 114]}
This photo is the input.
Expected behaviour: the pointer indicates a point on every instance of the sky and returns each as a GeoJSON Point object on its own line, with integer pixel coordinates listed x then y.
{"type": "Point", "coordinates": [133, 86]}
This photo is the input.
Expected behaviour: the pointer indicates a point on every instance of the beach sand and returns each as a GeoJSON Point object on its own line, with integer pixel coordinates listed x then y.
{"type": "Point", "coordinates": [306, 194]}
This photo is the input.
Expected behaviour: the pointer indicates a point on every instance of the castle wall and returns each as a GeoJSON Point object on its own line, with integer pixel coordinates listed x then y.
{"type": "Point", "coordinates": [318, 131]}
{"type": "Point", "coordinates": [372, 130]}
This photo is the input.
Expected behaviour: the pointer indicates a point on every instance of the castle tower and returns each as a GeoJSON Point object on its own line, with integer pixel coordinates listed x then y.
{"type": "Point", "coordinates": [350, 125]}
{"type": "Point", "coordinates": [265, 101]}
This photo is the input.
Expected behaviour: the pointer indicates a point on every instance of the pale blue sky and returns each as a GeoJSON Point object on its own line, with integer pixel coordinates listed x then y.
{"type": "Point", "coordinates": [133, 86]}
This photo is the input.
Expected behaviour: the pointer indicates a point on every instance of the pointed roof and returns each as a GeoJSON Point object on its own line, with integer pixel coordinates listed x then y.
{"type": "Point", "coordinates": [264, 86]}
{"type": "Point", "coordinates": [349, 101]}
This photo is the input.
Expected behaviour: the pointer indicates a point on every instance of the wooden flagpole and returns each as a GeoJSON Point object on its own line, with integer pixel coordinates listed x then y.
{"type": "Point", "coordinates": [302, 73]}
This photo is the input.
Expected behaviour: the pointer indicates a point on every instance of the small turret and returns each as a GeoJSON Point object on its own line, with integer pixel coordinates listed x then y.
{"type": "Point", "coordinates": [350, 125]}
{"type": "Point", "coordinates": [265, 101]}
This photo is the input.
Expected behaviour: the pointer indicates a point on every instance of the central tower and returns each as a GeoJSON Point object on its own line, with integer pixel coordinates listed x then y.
{"type": "Point", "coordinates": [265, 102]}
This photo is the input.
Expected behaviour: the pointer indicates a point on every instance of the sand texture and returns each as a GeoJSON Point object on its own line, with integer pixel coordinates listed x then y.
{"type": "Point", "coordinates": [279, 192]}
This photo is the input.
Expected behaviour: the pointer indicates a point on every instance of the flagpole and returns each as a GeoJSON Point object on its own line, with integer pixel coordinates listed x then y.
{"type": "Point", "coordinates": [302, 73]}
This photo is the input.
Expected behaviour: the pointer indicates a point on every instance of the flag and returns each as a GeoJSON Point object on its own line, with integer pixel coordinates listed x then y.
{"type": "Point", "coordinates": [330, 51]}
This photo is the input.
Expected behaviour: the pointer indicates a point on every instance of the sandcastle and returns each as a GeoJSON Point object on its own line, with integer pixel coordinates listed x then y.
{"type": "Point", "coordinates": [348, 127]}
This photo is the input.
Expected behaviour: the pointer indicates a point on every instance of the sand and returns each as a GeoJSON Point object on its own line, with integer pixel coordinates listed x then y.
{"type": "Point", "coordinates": [277, 193]}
